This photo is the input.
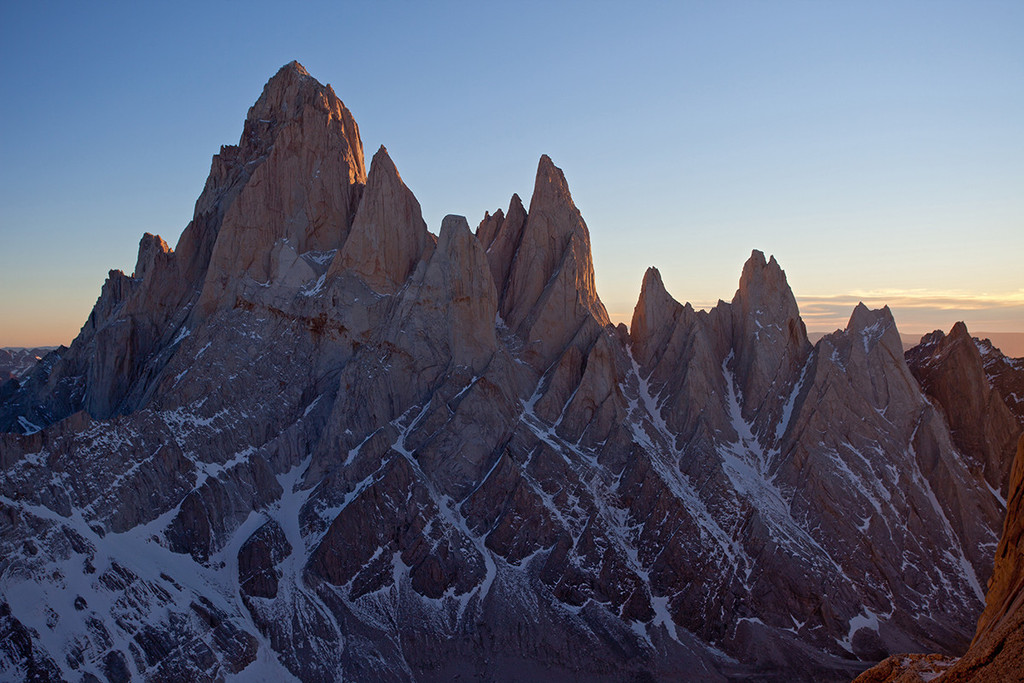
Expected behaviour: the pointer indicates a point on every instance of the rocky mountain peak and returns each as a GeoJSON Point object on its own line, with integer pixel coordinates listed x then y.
{"type": "Point", "coordinates": [871, 323]}
{"type": "Point", "coordinates": [769, 339]}
{"type": "Point", "coordinates": [652, 289]}
{"type": "Point", "coordinates": [654, 309]}
{"type": "Point", "coordinates": [297, 181]}
{"type": "Point", "coordinates": [754, 265]}
{"type": "Point", "coordinates": [286, 94]}
{"type": "Point", "coordinates": [550, 186]}
{"type": "Point", "coordinates": [445, 314]}
{"type": "Point", "coordinates": [501, 237]}
{"type": "Point", "coordinates": [489, 226]}
{"type": "Point", "coordinates": [293, 66]}
{"type": "Point", "coordinates": [549, 292]}
{"type": "Point", "coordinates": [454, 229]}
{"type": "Point", "coordinates": [388, 233]}
{"type": "Point", "coordinates": [151, 247]}
{"type": "Point", "coordinates": [654, 324]}
{"type": "Point", "coordinates": [763, 289]}
{"type": "Point", "coordinates": [951, 371]}
{"type": "Point", "coordinates": [1006, 375]}
{"type": "Point", "coordinates": [459, 268]}
{"type": "Point", "coordinates": [959, 333]}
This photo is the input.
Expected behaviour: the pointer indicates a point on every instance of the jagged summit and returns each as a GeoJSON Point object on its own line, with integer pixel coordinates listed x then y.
{"type": "Point", "coordinates": [151, 247]}
{"type": "Point", "coordinates": [652, 285]}
{"type": "Point", "coordinates": [388, 234]}
{"type": "Point", "coordinates": [769, 338]}
{"type": "Point", "coordinates": [654, 310]}
{"type": "Point", "coordinates": [304, 188]}
{"type": "Point", "coordinates": [501, 238]}
{"type": "Point", "coordinates": [550, 187]}
{"type": "Point", "coordinates": [764, 291]}
{"type": "Point", "coordinates": [952, 372]}
{"type": "Point", "coordinates": [289, 75]}
{"type": "Point", "coordinates": [293, 66]}
{"type": "Point", "coordinates": [316, 440]}
{"type": "Point", "coordinates": [874, 325]}
{"type": "Point", "coordinates": [959, 332]}
{"type": "Point", "coordinates": [288, 92]}
{"type": "Point", "coordinates": [550, 292]}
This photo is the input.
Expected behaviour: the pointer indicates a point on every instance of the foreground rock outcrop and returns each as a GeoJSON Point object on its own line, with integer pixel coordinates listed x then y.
{"type": "Point", "coordinates": [315, 440]}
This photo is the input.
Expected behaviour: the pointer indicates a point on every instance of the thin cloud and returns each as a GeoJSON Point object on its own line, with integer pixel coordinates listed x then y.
{"type": "Point", "coordinates": [914, 308]}
{"type": "Point", "coordinates": [917, 298]}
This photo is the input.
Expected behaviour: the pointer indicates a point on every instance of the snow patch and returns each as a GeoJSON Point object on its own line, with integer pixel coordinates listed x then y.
{"type": "Point", "coordinates": [29, 427]}
{"type": "Point", "coordinates": [866, 619]}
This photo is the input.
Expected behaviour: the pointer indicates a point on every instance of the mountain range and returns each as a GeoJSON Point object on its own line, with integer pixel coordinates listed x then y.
{"type": "Point", "coordinates": [317, 441]}
{"type": "Point", "coordinates": [16, 362]}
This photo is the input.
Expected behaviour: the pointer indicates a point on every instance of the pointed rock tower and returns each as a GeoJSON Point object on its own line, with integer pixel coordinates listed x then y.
{"type": "Point", "coordinates": [951, 372]}
{"type": "Point", "coordinates": [549, 293]}
{"type": "Point", "coordinates": [388, 234]}
{"type": "Point", "coordinates": [304, 190]}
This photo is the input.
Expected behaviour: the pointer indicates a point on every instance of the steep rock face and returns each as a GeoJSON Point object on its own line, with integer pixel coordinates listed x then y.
{"type": "Point", "coordinates": [305, 189]}
{"type": "Point", "coordinates": [133, 316]}
{"type": "Point", "coordinates": [388, 235]}
{"type": "Point", "coordinates": [853, 446]}
{"type": "Point", "coordinates": [680, 353]}
{"type": "Point", "coordinates": [1006, 375]}
{"type": "Point", "coordinates": [501, 238]}
{"type": "Point", "coordinates": [270, 207]}
{"type": "Point", "coordinates": [549, 293]}
{"type": "Point", "coordinates": [997, 651]}
{"type": "Point", "coordinates": [759, 337]}
{"type": "Point", "coordinates": [489, 227]}
{"type": "Point", "coordinates": [455, 278]}
{"type": "Point", "coordinates": [770, 339]}
{"type": "Point", "coordinates": [863, 408]}
{"type": "Point", "coordinates": [953, 375]}
{"type": "Point", "coordinates": [127, 324]}
{"type": "Point", "coordinates": [405, 457]}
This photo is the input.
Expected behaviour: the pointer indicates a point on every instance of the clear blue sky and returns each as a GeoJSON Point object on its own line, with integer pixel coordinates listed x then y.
{"type": "Point", "coordinates": [876, 148]}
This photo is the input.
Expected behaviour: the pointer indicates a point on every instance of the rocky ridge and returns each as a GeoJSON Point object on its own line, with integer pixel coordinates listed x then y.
{"type": "Point", "coordinates": [314, 440]}
{"type": "Point", "coordinates": [16, 362]}
{"type": "Point", "coordinates": [997, 652]}
{"type": "Point", "coordinates": [961, 374]}
{"type": "Point", "coordinates": [967, 389]}
{"type": "Point", "coordinates": [1006, 375]}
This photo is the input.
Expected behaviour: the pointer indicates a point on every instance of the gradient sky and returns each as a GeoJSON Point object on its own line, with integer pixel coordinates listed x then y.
{"type": "Point", "coordinates": [875, 148]}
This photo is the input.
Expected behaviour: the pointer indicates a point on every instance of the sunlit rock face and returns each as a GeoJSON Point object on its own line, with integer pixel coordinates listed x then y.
{"type": "Point", "coordinates": [317, 441]}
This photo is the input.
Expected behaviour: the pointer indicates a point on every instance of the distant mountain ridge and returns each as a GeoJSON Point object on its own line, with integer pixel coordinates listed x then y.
{"type": "Point", "coordinates": [317, 441]}
{"type": "Point", "coordinates": [17, 361]}
{"type": "Point", "coordinates": [1010, 344]}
